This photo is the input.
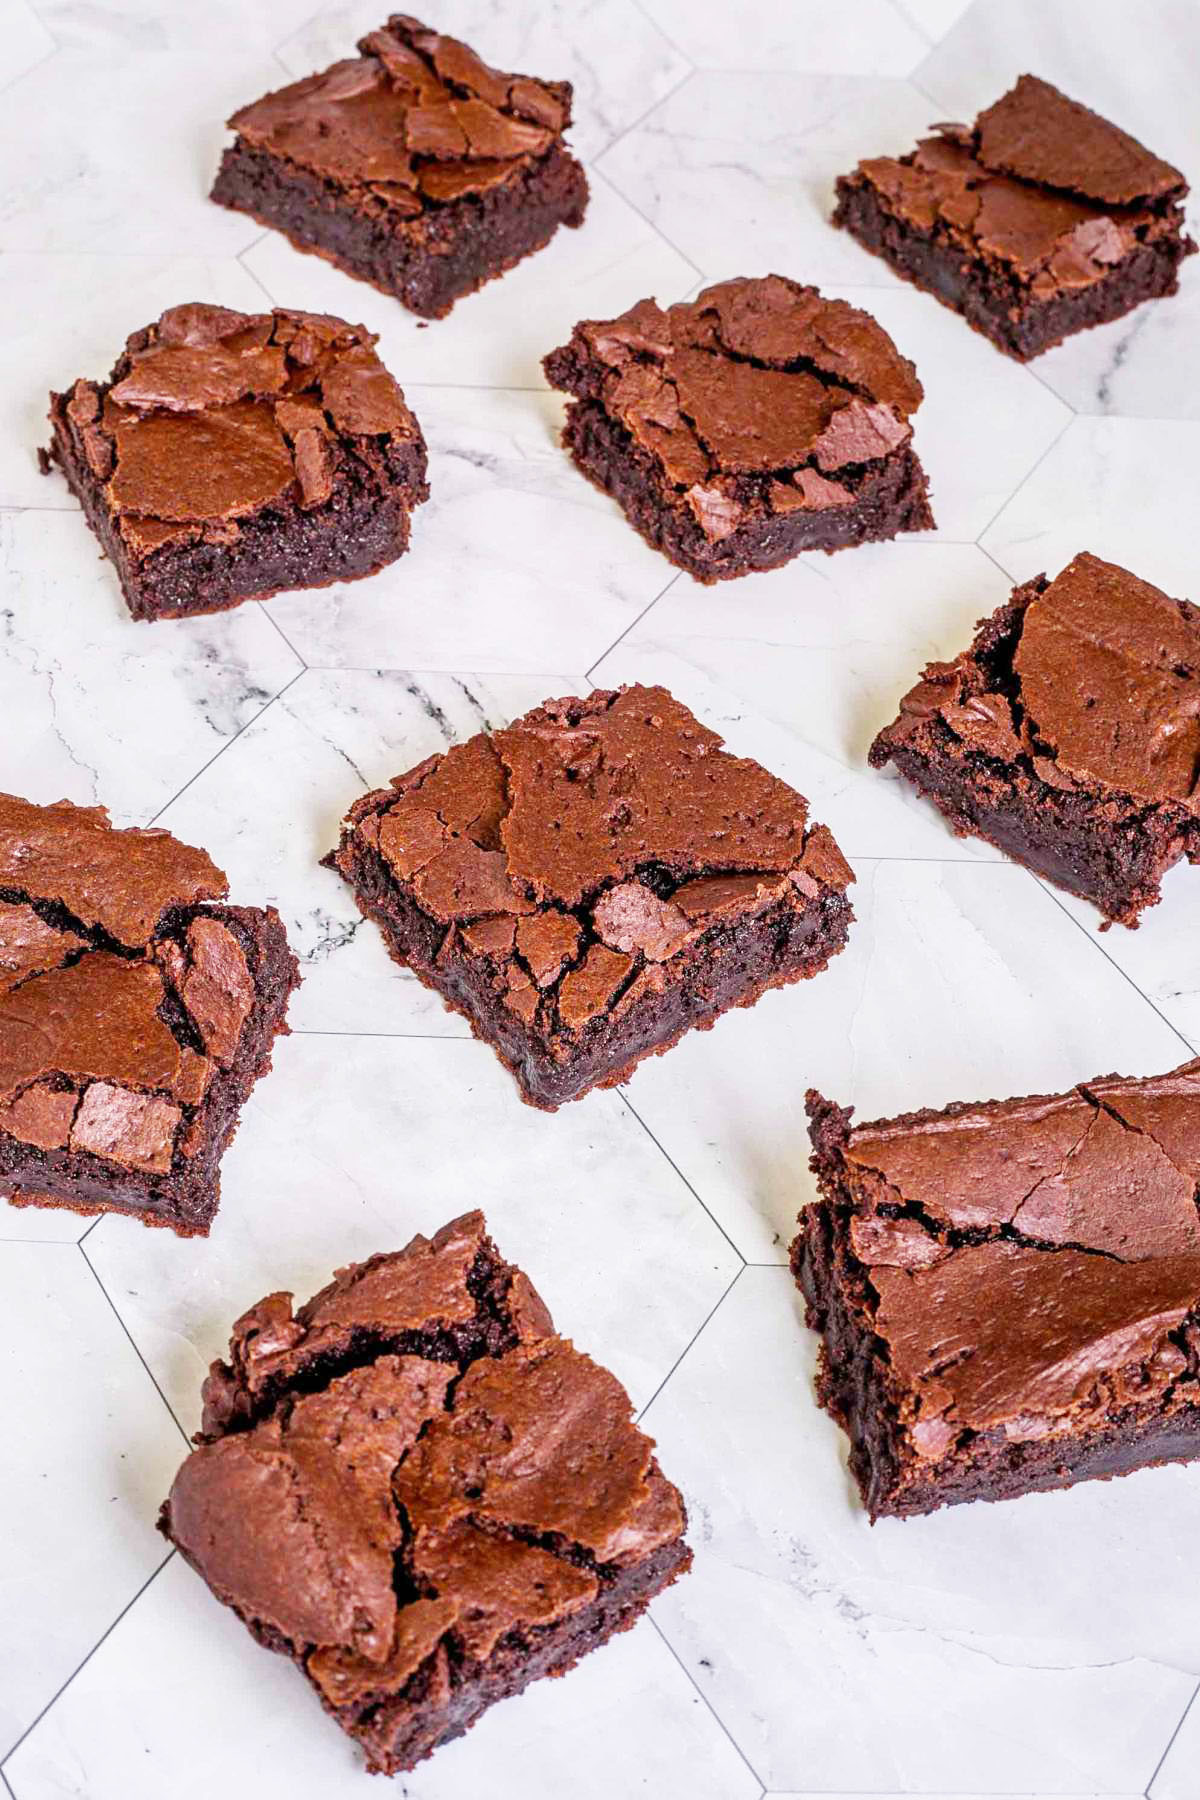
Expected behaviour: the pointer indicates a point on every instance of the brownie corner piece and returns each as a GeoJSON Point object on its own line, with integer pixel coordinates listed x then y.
{"type": "Point", "coordinates": [593, 881]}
{"type": "Point", "coordinates": [137, 1010]}
{"type": "Point", "coordinates": [417, 1491]}
{"type": "Point", "coordinates": [1068, 735]}
{"type": "Point", "coordinates": [743, 427]}
{"type": "Point", "coordinates": [414, 166]}
{"type": "Point", "coordinates": [232, 455]}
{"type": "Point", "coordinates": [1008, 1293]}
{"type": "Point", "coordinates": [1039, 220]}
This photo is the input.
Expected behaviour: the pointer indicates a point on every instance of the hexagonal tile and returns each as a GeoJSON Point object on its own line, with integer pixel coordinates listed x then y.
{"type": "Point", "coordinates": [618, 60]}
{"type": "Point", "coordinates": [89, 1451]}
{"type": "Point", "coordinates": [65, 316]}
{"type": "Point", "coordinates": [960, 981]}
{"type": "Point", "coordinates": [737, 169]}
{"type": "Point", "coordinates": [25, 43]}
{"type": "Point", "coordinates": [338, 732]}
{"type": "Point", "coordinates": [179, 1662]}
{"type": "Point", "coordinates": [1144, 365]}
{"type": "Point", "coordinates": [801, 667]}
{"type": "Point", "coordinates": [497, 337]}
{"type": "Point", "coordinates": [516, 561]}
{"type": "Point", "coordinates": [101, 707]}
{"type": "Point", "coordinates": [917, 1653]}
{"type": "Point", "coordinates": [1117, 487]}
{"type": "Point", "coordinates": [1176, 1778]}
{"type": "Point", "coordinates": [353, 1144]}
{"type": "Point", "coordinates": [872, 38]}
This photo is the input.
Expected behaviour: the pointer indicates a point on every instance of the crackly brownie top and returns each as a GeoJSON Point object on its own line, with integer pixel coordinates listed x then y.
{"type": "Point", "coordinates": [1035, 1263]}
{"type": "Point", "coordinates": [212, 415]}
{"type": "Point", "coordinates": [588, 844]}
{"type": "Point", "coordinates": [1092, 680]}
{"type": "Point", "coordinates": [411, 1466]}
{"type": "Point", "coordinates": [414, 121]}
{"type": "Point", "coordinates": [1038, 185]}
{"type": "Point", "coordinates": [758, 391]}
{"type": "Point", "coordinates": [112, 1021]}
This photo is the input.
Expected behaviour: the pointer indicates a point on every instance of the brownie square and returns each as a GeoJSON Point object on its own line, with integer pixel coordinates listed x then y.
{"type": "Point", "coordinates": [414, 165]}
{"type": "Point", "coordinates": [137, 1011]}
{"type": "Point", "coordinates": [1039, 220]}
{"type": "Point", "coordinates": [1008, 1294]}
{"type": "Point", "coordinates": [737, 429]}
{"type": "Point", "coordinates": [590, 883]}
{"type": "Point", "coordinates": [417, 1491]}
{"type": "Point", "coordinates": [1068, 735]}
{"type": "Point", "coordinates": [230, 455]}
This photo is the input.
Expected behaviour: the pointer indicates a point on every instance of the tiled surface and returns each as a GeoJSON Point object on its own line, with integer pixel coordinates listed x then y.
{"type": "Point", "coordinates": [1049, 1648]}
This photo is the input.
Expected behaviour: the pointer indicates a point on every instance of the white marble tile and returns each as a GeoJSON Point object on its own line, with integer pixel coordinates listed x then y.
{"type": "Point", "coordinates": [1120, 488]}
{"type": "Point", "coordinates": [62, 316]}
{"type": "Point", "coordinates": [99, 707]}
{"type": "Point", "coordinates": [115, 149]}
{"type": "Point", "coordinates": [1162, 957]}
{"type": "Point", "coordinates": [933, 17]}
{"type": "Point", "coordinates": [497, 337]}
{"type": "Point", "coordinates": [159, 30]}
{"type": "Point", "coordinates": [1136, 69]}
{"type": "Point", "coordinates": [1013, 419]}
{"type": "Point", "coordinates": [88, 1445]}
{"type": "Point", "coordinates": [959, 982]}
{"type": "Point", "coordinates": [352, 1144]}
{"type": "Point", "coordinates": [1145, 365]}
{"type": "Point", "coordinates": [873, 37]}
{"type": "Point", "coordinates": [1176, 1779]}
{"type": "Point", "coordinates": [181, 1663]}
{"type": "Point", "coordinates": [618, 60]}
{"type": "Point", "coordinates": [737, 169]}
{"type": "Point", "coordinates": [25, 42]}
{"type": "Point", "coordinates": [336, 733]}
{"type": "Point", "coordinates": [516, 562]}
{"type": "Point", "coordinates": [916, 1654]}
{"type": "Point", "coordinates": [802, 666]}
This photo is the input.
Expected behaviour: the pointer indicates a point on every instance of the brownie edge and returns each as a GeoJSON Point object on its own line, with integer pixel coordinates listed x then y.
{"type": "Point", "coordinates": [417, 1491]}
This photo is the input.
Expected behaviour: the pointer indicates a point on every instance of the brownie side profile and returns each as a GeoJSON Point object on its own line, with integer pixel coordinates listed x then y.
{"type": "Point", "coordinates": [414, 166]}
{"type": "Point", "coordinates": [1068, 735]}
{"type": "Point", "coordinates": [137, 1011]}
{"type": "Point", "coordinates": [593, 881]}
{"type": "Point", "coordinates": [231, 455]}
{"type": "Point", "coordinates": [747, 425]}
{"type": "Point", "coordinates": [1036, 222]}
{"type": "Point", "coordinates": [417, 1491]}
{"type": "Point", "coordinates": [1008, 1294]}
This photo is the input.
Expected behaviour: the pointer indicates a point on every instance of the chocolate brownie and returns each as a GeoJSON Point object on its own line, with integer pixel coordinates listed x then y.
{"type": "Point", "coordinates": [1008, 1294]}
{"type": "Point", "coordinates": [413, 165]}
{"type": "Point", "coordinates": [417, 1491]}
{"type": "Point", "coordinates": [230, 455]}
{"type": "Point", "coordinates": [744, 426]}
{"type": "Point", "coordinates": [137, 1011]}
{"type": "Point", "coordinates": [1035, 222]}
{"type": "Point", "coordinates": [593, 881]}
{"type": "Point", "coordinates": [1068, 735]}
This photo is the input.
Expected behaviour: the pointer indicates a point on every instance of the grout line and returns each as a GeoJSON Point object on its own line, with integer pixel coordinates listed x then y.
{"type": "Point", "coordinates": [665, 36]}
{"type": "Point", "coordinates": [762, 1786]}
{"type": "Point", "coordinates": [646, 220]}
{"type": "Point", "coordinates": [1029, 473]}
{"type": "Point", "coordinates": [1093, 938]}
{"type": "Point", "coordinates": [56, 1697]}
{"type": "Point", "coordinates": [7, 1788]}
{"type": "Point", "coordinates": [633, 623]}
{"type": "Point", "coordinates": [931, 43]}
{"type": "Point", "coordinates": [266, 612]}
{"type": "Point", "coordinates": [133, 1343]}
{"type": "Point", "coordinates": [654, 104]}
{"type": "Point", "coordinates": [298, 676]}
{"type": "Point", "coordinates": [687, 1184]}
{"type": "Point", "coordinates": [256, 279]}
{"type": "Point", "coordinates": [691, 1342]}
{"type": "Point", "coordinates": [1170, 1743]}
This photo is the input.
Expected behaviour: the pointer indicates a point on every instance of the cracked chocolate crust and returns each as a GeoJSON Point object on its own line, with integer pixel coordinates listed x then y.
{"type": "Point", "coordinates": [1059, 1340]}
{"type": "Point", "coordinates": [965, 740]}
{"type": "Point", "coordinates": [183, 1195]}
{"type": "Point", "coordinates": [573, 977]}
{"type": "Point", "coordinates": [378, 1494]}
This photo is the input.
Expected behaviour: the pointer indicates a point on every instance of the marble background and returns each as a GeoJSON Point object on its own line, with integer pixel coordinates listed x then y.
{"type": "Point", "coordinates": [1050, 1647]}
